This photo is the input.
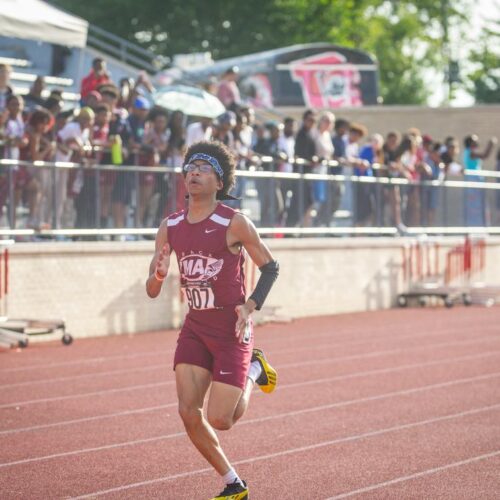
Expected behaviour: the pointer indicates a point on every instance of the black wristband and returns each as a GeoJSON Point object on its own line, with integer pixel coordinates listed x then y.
{"type": "Point", "coordinates": [269, 273]}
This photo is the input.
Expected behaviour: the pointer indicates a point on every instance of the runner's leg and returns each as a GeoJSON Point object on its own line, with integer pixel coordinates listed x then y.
{"type": "Point", "coordinates": [192, 385]}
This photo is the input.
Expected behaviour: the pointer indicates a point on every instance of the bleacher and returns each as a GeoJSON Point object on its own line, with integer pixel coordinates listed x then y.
{"type": "Point", "coordinates": [24, 74]}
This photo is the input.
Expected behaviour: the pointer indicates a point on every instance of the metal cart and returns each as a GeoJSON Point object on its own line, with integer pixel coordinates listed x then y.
{"type": "Point", "coordinates": [431, 271]}
{"type": "Point", "coordinates": [16, 332]}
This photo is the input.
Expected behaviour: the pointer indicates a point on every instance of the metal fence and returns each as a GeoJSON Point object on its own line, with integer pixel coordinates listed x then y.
{"type": "Point", "coordinates": [63, 200]}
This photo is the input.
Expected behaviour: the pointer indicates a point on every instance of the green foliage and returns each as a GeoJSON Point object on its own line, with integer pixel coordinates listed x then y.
{"type": "Point", "coordinates": [484, 81]}
{"type": "Point", "coordinates": [404, 36]}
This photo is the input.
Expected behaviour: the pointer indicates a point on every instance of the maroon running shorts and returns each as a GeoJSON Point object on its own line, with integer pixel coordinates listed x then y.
{"type": "Point", "coordinates": [207, 339]}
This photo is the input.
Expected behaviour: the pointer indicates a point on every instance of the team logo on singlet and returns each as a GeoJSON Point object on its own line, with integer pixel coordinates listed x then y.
{"type": "Point", "coordinates": [200, 268]}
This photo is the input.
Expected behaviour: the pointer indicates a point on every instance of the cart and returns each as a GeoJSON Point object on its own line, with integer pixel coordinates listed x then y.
{"type": "Point", "coordinates": [431, 271]}
{"type": "Point", "coordinates": [16, 332]}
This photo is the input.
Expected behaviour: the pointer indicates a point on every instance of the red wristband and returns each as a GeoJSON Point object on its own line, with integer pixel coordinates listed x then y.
{"type": "Point", "coordinates": [158, 276]}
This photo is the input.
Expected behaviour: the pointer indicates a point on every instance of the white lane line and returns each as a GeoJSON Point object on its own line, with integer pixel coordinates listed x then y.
{"type": "Point", "coordinates": [88, 375]}
{"type": "Point", "coordinates": [300, 449]}
{"type": "Point", "coordinates": [86, 394]}
{"type": "Point", "coordinates": [281, 387]}
{"type": "Point", "coordinates": [299, 336]}
{"type": "Point", "coordinates": [416, 475]}
{"type": "Point", "coordinates": [83, 361]}
{"type": "Point", "coordinates": [489, 338]}
{"type": "Point", "coordinates": [262, 419]}
{"type": "Point", "coordinates": [280, 367]}
{"type": "Point", "coordinates": [166, 365]}
{"type": "Point", "coordinates": [86, 419]}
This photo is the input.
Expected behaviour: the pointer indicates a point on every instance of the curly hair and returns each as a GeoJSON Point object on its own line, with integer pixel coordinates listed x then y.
{"type": "Point", "coordinates": [223, 155]}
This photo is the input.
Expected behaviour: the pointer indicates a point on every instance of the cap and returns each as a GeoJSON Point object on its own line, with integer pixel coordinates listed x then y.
{"type": "Point", "coordinates": [141, 103]}
{"type": "Point", "coordinates": [227, 117]}
{"type": "Point", "coordinates": [426, 139]}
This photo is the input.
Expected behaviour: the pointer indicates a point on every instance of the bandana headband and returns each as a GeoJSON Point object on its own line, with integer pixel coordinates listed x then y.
{"type": "Point", "coordinates": [210, 159]}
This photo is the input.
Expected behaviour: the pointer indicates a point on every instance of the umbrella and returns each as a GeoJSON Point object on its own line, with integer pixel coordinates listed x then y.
{"type": "Point", "coordinates": [190, 100]}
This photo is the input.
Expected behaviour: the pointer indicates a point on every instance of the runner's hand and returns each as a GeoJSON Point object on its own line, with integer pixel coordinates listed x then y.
{"type": "Point", "coordinates": [243, 317]}
{"type": "Point", "coordinates": [163, 261]}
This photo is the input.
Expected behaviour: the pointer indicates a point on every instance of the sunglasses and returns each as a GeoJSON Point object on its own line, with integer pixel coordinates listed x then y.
{"type": "Point", "coordinates": [204, 168]}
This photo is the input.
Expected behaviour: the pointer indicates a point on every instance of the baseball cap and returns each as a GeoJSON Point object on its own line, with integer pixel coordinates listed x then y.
{"type": "Point", "coordinates": [141, 103]}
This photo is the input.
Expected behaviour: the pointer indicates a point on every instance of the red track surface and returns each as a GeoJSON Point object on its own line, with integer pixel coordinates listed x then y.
{"type": "Point", "coordinates": [390, 404]}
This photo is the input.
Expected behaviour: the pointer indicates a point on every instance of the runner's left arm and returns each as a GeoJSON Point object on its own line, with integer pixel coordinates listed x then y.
{"type": "Point", "coordinates": [244, 233]}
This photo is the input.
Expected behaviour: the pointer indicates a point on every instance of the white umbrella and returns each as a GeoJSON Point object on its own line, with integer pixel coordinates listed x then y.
{"type": "Point", "coordinates": [190, 100]}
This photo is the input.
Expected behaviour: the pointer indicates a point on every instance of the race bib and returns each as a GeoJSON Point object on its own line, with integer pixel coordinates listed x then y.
{"type": "Point", "coordinates": [199, 297]}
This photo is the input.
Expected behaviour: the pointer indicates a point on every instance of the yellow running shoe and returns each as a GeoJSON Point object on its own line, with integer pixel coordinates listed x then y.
{"type": "Point", "coordinates": [268, 378]}
{"type": "Point", "coordinates": [234, 491]}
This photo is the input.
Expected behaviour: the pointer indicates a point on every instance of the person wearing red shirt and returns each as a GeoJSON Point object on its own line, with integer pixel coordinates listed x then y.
{"type": "Point", "coordinates": [98, 76]}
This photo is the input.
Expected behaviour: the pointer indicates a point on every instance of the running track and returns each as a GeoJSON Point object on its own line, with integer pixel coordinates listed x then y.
{"type": "Point", "coordinates": [395, 404]}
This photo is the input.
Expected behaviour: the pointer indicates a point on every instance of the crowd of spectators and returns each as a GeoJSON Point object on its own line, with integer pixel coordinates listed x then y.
{"type": "Point", "coordinates": [117, 124]}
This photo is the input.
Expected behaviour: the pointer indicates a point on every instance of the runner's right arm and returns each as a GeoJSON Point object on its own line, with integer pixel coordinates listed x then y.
{"type": "Point", "coordinates": [158, 269]}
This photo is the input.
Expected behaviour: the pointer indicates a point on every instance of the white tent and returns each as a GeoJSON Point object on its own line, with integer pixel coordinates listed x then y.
{"type": "Point", "coordinates": [37, 20]}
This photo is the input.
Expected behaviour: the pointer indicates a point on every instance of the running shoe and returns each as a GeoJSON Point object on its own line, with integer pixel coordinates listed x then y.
{"type": "Point", "coordinates": [268, 378]}
{"type": "Point", "coordinates": [234, 491]}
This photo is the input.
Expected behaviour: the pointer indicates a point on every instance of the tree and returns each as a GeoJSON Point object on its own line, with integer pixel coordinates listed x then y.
{"type": "Point", "coordinates": [484, 81]}
{"type": "Point", "coordinates": [404, 36]}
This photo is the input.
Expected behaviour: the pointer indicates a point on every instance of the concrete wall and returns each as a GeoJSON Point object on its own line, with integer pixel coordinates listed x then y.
{"type": "Point", "coordinates": [98, 288]}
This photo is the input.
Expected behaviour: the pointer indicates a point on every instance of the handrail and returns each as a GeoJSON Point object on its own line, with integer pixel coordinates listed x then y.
{"type": "Point", "coordinates": [126, 51]}
{"type": "Point", "coordinates": [258, 174]}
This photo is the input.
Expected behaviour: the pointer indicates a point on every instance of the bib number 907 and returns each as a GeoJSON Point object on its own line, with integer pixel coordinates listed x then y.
{"type": "Point", "coordinates": [199, 297]}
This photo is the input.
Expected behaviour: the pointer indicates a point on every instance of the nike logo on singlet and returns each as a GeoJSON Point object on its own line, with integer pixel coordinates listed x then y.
{"type": "Point", "coordinates": [210, 230]}
{"type": "Point", "coordinates": [225, 373]}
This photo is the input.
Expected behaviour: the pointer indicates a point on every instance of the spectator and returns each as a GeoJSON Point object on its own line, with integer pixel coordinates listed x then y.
{"type": "Point", "coordinates": [242, 150]}
{"type": "Point", "coordinates": [223, 130]}
{"type": "Point", "coordinates": [54, 105]}
{"type": "Point", "coordinates": [228, 91]}
{"type": "Point", "coordinates": [98, 76]}
{"type": "Point", "coordinates": [339, 140]}
{"type": "Point", "coordinates": [40, 148]}
{"type": "Point", "coordinates": [475, 201]}
{"type": "Point", "coordinates": [373, 154]}
{"type": "Point", "coordinates": [449, 156]}
{"type": "Point", "coordinates": [286, 146]}
{"type": "Point", "coordinates": [85, 200]}
{"type": "Point", "coordinates": [271, 202]}
{"type": "Point", "coordinates": [434, 173]}
{"type": "Point", "coordinates": [175, 154]}
{"type": "Point", "coordinates": [156, 137]}
{"type": "Point", "coordinates": [125, 86]}
{"type": "Point", "coordinates": [34, 97]}
{"type": "Point", "coordinates": [408, 159]}
{"type": "Point", "coordinates": [305, 148]}
{"type": "Point", "coordinates": [324, 152]}
{"type": "Point", "coordinates": [14, 141]}
{"type": "Point", "coordinates": [199, 131]}
{"type": "Point", "coordinates": [394, 170]}
{"type": "Point", "coordinates": [5, 89]}
{"type": "Point", "coordinates": [73, 142]}
{"type": "Point", "coordinates": [247, 133]}
{"type": "Point", "coordinates": [14, 128]}
{"type": "Point", "coordinates": [93, 100]}
{"type": "Point", "coordinates": [355, 190]}
{"type": "Point", "coordinates": [133, 133]}
{"type": "Point", "coordinates": [119, 137]}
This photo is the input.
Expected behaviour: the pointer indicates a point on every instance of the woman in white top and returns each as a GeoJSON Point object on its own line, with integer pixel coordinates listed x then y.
{"type": "Point", "coordinates": [324, 152]}
{"type": "Point", "coordinates": [72, 141]}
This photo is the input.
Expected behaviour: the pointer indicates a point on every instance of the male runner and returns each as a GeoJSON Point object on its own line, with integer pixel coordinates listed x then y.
{"type": "Point", "coordinates": [215, 344]}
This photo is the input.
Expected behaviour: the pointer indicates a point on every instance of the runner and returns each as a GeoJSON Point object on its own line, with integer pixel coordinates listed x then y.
{"type": "Point", "coordinates": [215, 345]}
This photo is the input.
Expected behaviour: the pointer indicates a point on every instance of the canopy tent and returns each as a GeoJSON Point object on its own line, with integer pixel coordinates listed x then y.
{"type": "Point", "coordinates": [37, 20]}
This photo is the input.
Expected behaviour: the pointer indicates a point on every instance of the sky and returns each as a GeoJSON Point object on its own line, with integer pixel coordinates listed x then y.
{"type": "Point", "coordinates": [483, 11]}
